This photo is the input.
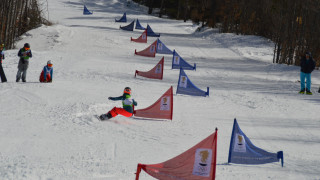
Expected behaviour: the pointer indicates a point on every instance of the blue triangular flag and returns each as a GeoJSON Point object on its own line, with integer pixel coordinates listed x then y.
{"type": "Point", "coordinates": [151, 33]}
{"type": "Point", "coordinates": [123, 18]}
{"type": "Point", "coordinates": [129, 27]}
{"type": "Point", "coordinates": [138, 25]}
{"type": "Point", "coordinates": [185, 86]}
{"type": "Point", "coordinates": [242, 151]}
{"type": "Point", "coordinates": [86, 11]}
{"type": "Point", "coordinates": [178, 62]}
{"type": "Point", "coordinates": [162, 48]}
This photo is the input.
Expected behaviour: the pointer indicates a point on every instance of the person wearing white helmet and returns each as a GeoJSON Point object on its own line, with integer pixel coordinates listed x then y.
{"type": "Point", "coordinates": [47, 72]}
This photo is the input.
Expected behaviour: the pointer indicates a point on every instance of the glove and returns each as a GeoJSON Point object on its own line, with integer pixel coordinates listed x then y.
{"type": "Point", "coordinates": [110, 98]}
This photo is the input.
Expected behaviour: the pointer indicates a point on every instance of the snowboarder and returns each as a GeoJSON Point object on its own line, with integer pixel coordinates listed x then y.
{"type": "Point", "coordinates": [2, 75]}
{"type": "Point", "coordinates": [127, 102]}
{"type": "Point", "coordinates": [46, 74]}
{"type": "Point", "coordinates": [24, 54]}
{"type": "Point", "coordinates": [307, 66]}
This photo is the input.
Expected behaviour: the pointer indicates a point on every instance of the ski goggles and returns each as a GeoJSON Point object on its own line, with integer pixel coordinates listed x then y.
{"type": "Point", "coordinates": [26, 48]}
{"type": "Point", "coordinates": [49, 65]}
{"type": "Point", "coordinates": [128, 91]}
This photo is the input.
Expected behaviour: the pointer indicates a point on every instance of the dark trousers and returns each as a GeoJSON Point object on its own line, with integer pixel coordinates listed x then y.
{"type": "Point", "coordinates": [2, 75]}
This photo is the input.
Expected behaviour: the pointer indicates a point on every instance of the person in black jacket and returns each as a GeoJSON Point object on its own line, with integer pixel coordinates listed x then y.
{"type": "Point", "coordinates": [307, 66]}
{"type": "Point", "coordinates": [2, 75]}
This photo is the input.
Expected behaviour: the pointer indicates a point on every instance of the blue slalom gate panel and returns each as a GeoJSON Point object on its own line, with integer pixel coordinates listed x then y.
{"type": "Point", "coordinates": [86, 11]}
{"type": "Point", "coordinates": [178, 62]}
{"type": "Point", "coordinates": [123, 18]}
{"type": "Point", "coordinates": [162, 48]}
{"type": "Point", "coordinates": [129, 27]}
{"type": "Point", "coordinates": [242, 151]}
{"type": "Point", "coordinates": [185, 86]}
{"type": "Point", "coordinates": [151, 33]}
{"type": "Point", "coordinates": [138, 25]}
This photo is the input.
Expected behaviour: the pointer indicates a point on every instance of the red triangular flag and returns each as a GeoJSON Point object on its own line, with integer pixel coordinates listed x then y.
{"type": "Point", "coordinates": [161, 109]}
{"type": "Point", "coordinates": [149, 51]}
{"type": "Point", "coordinates": [197, 163]}
{"type": "Point", "coordinates": [142, 38]}
{"type": "Point", "coordinates": [154, 73]}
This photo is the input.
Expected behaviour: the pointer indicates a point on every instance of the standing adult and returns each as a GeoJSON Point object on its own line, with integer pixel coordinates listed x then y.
{"type": "Point", "coordinates": [2, 75]}
{"type": "Point", "coordinates": [307, 66]}
{"type": "Point", "coordinates": [25, 54]}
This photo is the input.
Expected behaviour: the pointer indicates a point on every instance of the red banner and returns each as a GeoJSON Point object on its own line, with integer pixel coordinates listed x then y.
{"type": "Point", "coordinates": [142, 38]}
{"type": "Point", "coordinates": [197, 163]}
{"type": "Point", "coordinates": [154, 73]}
{"type": "Point", "coordinates": [161, 109]}
{"type": "Point", "coordinates": [149, 51]}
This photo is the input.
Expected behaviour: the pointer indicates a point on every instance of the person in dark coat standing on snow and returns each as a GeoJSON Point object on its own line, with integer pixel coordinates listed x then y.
{"type": "Point", "coordinates": [2, 75]}
{"type": "Point", "coordinates": [25, 54]}
{"type": "Point", "coordinates": [127, 103]}
{"type": "Point", "coordinates": [307, 66]}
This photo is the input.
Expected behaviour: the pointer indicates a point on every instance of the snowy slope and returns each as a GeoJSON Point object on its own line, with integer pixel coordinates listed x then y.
{"type": "Point", "coordinates": [48, 131]}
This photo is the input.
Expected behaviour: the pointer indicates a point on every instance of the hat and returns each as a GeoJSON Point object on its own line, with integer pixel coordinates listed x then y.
{"type": "Point", "coordinates": [49, 62]}
{"type": "Point", "coordinates": [27, 45]}
{"type": "Point", "coordinates": [308, 53]}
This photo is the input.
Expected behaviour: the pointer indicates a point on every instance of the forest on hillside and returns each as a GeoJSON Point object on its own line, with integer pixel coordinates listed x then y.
{"type": "Point", "coordinates": [294, 26]}
{"type": "Point", "coordinates": [18, 17]}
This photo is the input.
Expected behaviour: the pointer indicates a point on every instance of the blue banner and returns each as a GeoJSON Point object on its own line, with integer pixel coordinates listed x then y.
{"type": "Point", "coordinates": [123, 18]}
{"type": "Point", "coordinates": [178, 62]}
{"type": "Point", "coordinates": [151, 33]}
{"type": "Point", "coordinates": [162, 48]}
{"type": "Point", "coordinates": [86, 11]}
{"type": "Point", "coordinates": [242, 151]}
{"type": "Point", "coordinates": [185, 86]}
{"type": "Point", "coordinates": [138, 25]}
{"type": "Point", "coordinates": [129, 27]}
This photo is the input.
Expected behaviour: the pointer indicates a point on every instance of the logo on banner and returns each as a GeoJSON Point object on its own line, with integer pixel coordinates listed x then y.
{"type": "Point", "coordinates": [144, 36]}
{"type": "Point", "coordinates": [160, 46]}
{"type": "Point", "coordinates": [202, 163]}
{"type": "Point", "coordinates": [176, 60]}
{"type": "Point", "coordinates": [240, 143]}
{"type": "Point", "coordinates": [152, 48]}
{"type": "Point", "coordinates": [183, 81]}
{"type": "Point", "coordinates": [158, 69]}
{"type": "Point", "coordinates": [165, 103]}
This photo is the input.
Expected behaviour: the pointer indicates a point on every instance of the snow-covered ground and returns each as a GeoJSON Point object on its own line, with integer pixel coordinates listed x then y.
{"type": "Point", "coordinates": [48, 131]}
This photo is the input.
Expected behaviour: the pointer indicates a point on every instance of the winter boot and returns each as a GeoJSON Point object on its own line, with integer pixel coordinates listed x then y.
{"type": "Point", "coordinates": [302, 91]}
{"type": "Point", "coordinates": [308, 92]}
{"type": "Point", "coordinates": [319, 90]}
{"type": "Point", "coordinates": [105, 117]}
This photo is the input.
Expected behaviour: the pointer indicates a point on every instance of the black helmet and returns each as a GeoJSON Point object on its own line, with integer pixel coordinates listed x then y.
{"type": "Point", "coordinates": [27, 45]}
{"type": "Point", "coordinates": [127, 90]}
{"type": "Point", "coordinates": [308, 53]}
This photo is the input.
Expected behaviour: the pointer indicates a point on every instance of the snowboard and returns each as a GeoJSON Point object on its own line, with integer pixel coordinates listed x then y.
{"type": "Point", "coordinates": [98, 117]}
